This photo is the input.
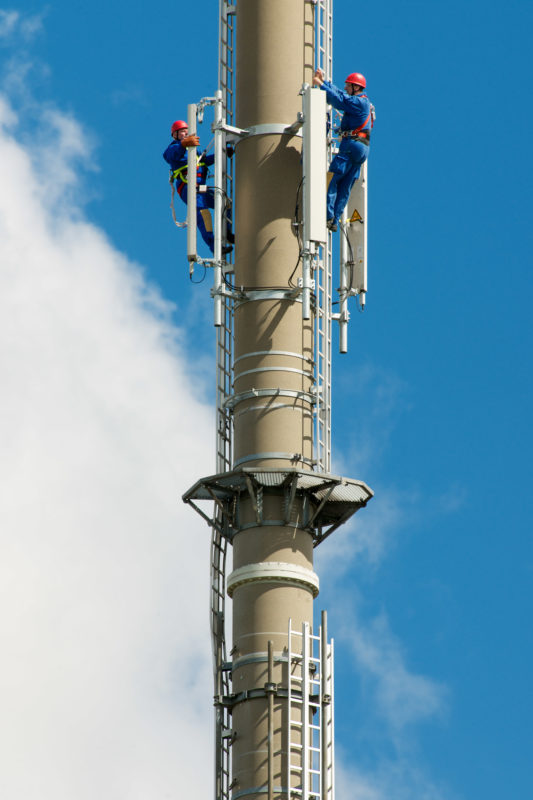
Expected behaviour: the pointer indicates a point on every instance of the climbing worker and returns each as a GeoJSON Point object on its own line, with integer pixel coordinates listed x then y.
{"type": "Point", "coordinates": [176, 156]}
{"type": "Point", "coordinates": [356, 124]}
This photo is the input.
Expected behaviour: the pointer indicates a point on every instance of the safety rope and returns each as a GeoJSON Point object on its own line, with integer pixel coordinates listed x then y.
{"type": "Point", "coordinates": [172, 193]}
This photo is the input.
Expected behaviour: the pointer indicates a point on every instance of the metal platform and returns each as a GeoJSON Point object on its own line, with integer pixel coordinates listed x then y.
{"type": "Point", "coordinates": [324, 501]}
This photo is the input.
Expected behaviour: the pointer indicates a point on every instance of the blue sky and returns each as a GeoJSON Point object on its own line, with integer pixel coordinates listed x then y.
{"type": "Point", "coordinates": [431, 608]}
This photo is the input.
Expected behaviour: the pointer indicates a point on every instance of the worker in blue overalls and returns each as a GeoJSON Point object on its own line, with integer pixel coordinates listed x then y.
{"type": "Point", "coordinates": [176, 156]}
{"type": "Point", "coordinates": [356, 124]}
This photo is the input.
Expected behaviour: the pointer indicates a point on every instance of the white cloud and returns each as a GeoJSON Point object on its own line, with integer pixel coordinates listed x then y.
{"type": "Point", "coordinates": [366, 539]}
{"type": "Point", "coordinates": [396, 699]}
{"type": "Point", "coordinates": [8, 22]}
{"type": "Point", "coordinates": [403, 697]}
{"type": "Point", "coordinates": [105, 681]}
{"type": "Point", "coordinates": [398, 779]}
{"type": "Point", "coordinates": [378, 399]}
{"type": "Point", "coordinates": [13, 22]}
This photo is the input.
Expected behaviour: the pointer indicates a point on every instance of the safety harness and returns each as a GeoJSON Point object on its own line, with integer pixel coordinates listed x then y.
{"type": "Point", "coordinates": [180, 175]}
{"type": "Point", "coordinates": [358, 133]}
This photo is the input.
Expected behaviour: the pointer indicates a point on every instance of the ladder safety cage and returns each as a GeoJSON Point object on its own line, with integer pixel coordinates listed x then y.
{"type": "Point", "coordinates": [309, 727]}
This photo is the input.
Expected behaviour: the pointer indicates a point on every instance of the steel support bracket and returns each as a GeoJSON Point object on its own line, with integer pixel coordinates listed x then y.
{"type": "Point", "coordinates": [231, 129]}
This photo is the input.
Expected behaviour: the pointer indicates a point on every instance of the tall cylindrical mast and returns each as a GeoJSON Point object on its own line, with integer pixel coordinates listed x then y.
{"type": "Point", "coordinates": [273, 352]}
{"type": "Point", "coordinates": [275, 499]}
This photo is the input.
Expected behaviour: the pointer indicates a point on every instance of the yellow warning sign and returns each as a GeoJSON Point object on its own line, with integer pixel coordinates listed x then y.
{"type": "Point", "coordinates": [356, 216]}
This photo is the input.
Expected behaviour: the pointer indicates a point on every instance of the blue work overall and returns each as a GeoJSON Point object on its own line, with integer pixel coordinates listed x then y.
{"type": "Point", "coordinates": [176, 156]}
{"type": "Point", "coordinates": [353, 152]}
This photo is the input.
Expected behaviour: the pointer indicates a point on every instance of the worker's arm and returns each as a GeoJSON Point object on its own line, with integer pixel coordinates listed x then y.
{"type": "Point", "coordinates": [340, 99]}
{"type": "Point", "coordinates": [175, 155]}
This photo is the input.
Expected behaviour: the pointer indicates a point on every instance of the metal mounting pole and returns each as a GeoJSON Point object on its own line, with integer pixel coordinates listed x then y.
{"type": "Point", "coordinates": [270, 691]}
{"type": "Point", "coordinates": [191, 186]}
{"type": "Point", "coordinates": [219, 206]}
{"type": "Point", "coordinates": [343, 294]}
{"type": "Point", "coordinates": [314, 186]}
{"type": "Point", "coordinates": [323, 712]}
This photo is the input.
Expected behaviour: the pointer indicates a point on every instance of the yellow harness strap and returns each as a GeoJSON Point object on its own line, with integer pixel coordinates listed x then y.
{"type": "Point", "coordinates": [180, 174]}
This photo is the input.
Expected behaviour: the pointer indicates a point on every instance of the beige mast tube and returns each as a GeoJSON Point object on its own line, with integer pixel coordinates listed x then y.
{"type": "Point", "coordinates": [272, 577]}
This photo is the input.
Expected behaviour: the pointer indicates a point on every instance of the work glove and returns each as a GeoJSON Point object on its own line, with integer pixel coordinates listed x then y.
{"type": "Point", "coordinates": [190, 141]}
{"type": "Point", "coordinates": [230, 150]}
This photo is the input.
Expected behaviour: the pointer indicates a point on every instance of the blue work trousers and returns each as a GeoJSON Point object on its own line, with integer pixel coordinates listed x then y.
{"type": "Point", "coordinates": [203, 200]}
{"type": "Point", "coordinates": [346, 168]}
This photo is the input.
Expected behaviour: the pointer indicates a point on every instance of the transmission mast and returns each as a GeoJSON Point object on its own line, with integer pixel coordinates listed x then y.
{"type": "Point", "coordinates": [274, 497]}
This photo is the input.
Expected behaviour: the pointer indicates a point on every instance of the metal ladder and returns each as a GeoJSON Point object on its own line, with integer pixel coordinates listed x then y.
{"type": "Point", "coordinates": [226, 82]}
{"type": "Point", "coordinates": [224, 457]}
{"type": "Point", "coordinates": [309, 715]}
{"type": "Point", "coordinates": [323, 271]}
{"type": "Point", "coordinates": [322, 360]}
{"type": "Point", "coordinates": [221, 674]}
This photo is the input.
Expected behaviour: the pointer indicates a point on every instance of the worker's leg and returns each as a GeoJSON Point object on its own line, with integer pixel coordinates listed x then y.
{"type": "Point", "coordinates": [338, 169]}
{"type": "Point", "coordinates": [356, 154]}
{"type": "Point", "coordinates": [230, 236]}
{"type": "Point", "coordinates": [344, 187]}
{"type": "Point", "coordinates": [205, 226]}
{"type": "Point", "coordinates": [331, 196]}
{"type": "Point", "coordinates": [204, 202]}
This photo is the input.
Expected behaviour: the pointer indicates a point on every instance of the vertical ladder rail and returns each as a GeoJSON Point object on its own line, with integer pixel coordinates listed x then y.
{"type": "Point", "coordinates": [219, 202]}
{"type": "Point", "coordinates": [221, 675]}
{"type": "Point", "coordinates": [323, 271]}
{"type": "Point", "coordinates": [294, 733]}
{"type": "Point", "coordinates": [327, 715]}
{"type": "Point", "coordinates": [327, 6]}
{"type": "Point", "coordinates": [224, 109]}
{"type": "Point", "coordinates": [305, 663]}
{"type": "Point", "coordinates": [329, 741]}
{"type": "Point", "coordinates": [224, 346]}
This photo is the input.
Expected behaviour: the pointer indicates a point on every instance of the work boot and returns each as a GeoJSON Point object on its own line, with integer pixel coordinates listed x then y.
{"type": "Point", "coordinates": [332, 225]}
{"type": "Point", "coordinates": [227, 248]}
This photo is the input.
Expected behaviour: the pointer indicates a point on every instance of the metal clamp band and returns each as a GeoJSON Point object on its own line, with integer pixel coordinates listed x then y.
{"type": "Point", "coordinates": [253, 295]}
{"type": "Point", "coordinates": [273, 407]}
{"type": "Point", "coordinates": [274, 127]}
{"type": "Point", "coordinates": [273, 353]}
{"type": "Point", "coordinates": [274, 369]}
{"type": "Point", "coordinates": [274, 523]}
{"type": "Point", "coordinates": [257, 658]}
{"type": "Point", "coordinates": [232, 400]}
{"type": "Point", "coordinates": [231, 700]}
{"type": "Point", "coordinates": [292, 457]}
{"type": "Point", "coordinates": [274, 572]}
{"type": "Point", "coordinates": [280, 790]}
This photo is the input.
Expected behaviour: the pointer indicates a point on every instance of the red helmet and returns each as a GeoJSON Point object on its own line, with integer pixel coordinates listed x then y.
{"type": "Point", "coordinates": [178, 125]}
{"type": "Point", "coordinates": [356, 77]}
